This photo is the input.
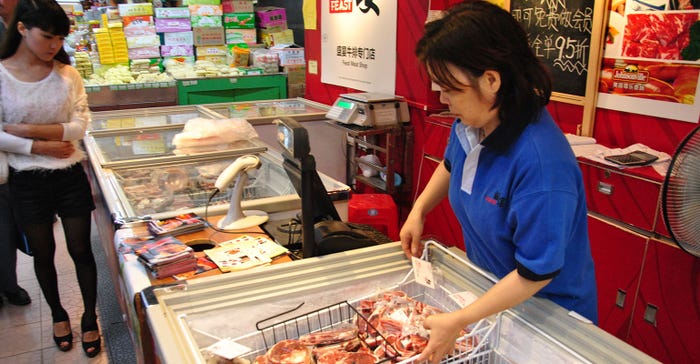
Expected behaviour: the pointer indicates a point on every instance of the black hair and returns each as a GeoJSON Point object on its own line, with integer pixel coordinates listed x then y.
{"type": "Point", "coordinates": [477, 36]}
{"type": "Point", "coordinates": [44, 14]}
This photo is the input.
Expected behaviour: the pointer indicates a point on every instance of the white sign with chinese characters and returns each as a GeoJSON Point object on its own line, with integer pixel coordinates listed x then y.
{"type": "Point", "coordinates": [358, 44]}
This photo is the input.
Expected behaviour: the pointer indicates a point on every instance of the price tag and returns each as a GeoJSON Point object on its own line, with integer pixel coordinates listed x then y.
{"type": "Point", "coordinates": [423, 272]}
{"type": "Point", "coordinates": [148, 144]}
{"type": "Point", "coordinates": [228, 349]}
{"type": "Point", "coordinates": [464, 298]}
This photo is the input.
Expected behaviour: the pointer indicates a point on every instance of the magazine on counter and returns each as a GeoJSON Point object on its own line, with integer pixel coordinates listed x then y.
{"type": "Point", "coordinates": [182, 265]}
{"type": "Point", "coordinates": [261, 244]}
{"type": "Point", "coordinates": [231, 258]}
{"type": "Point", "coordinates": [180, 224]}
{"type": "Point", "coordinates": [163, 250]}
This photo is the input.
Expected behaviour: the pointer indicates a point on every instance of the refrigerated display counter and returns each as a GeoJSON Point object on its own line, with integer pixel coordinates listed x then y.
{"type": "Point", "coordinates": [252, 310]}
{"type": "Point", "coordinates": [139, 173]}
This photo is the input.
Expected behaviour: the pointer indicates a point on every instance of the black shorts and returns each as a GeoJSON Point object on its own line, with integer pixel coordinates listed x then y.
{"type": "Point", "coordinates": [38, 195]}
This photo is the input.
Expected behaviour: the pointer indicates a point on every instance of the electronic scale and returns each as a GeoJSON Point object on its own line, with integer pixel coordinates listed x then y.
{"type": "Point", "coordinates": [369, 109]}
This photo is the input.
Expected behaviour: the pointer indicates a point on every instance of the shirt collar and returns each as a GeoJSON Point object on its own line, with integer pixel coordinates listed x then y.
{"type": "Point", "coordinates": [503, 137]}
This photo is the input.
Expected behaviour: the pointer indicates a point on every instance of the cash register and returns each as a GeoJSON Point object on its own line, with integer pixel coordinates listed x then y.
{"type": "Point", "coordinates": [322, 230]}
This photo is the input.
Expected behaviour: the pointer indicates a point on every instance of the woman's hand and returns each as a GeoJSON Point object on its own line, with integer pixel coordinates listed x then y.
{"type": "Point", "coordinates": [410, 235]}
{"type": "Point", "coordinates": [53, 148]}
{"type": "Point", "coordinates": [444, 329]}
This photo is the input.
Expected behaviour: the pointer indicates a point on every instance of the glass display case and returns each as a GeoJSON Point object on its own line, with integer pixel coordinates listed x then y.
{"type": "Point", "coordinates": [278, 303]}
{"type": "Point", "coordinates": [140, 173]}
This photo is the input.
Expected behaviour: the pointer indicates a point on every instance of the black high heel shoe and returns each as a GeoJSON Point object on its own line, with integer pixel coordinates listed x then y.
{"type": "Point", "coordinates": [91, 348]}
{"type": "Point", "coordinates": [64, 342]}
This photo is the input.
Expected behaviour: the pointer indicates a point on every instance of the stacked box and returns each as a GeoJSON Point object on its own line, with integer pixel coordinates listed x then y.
{"type": "Point", "coordinates": [239, 27]}
{"type": "Point", "coordinates": [141, 38]}
{"type": "Point", "coordinates": [270, 16]}
{"type": "Point", "coordinates": [272, 26]}
{"type": "Point", "coordinates": [296, 80]}
{"type": "Point", "coordinates": [290, 55]}
{"type": "Point", "coordinates": [104, 45]}
{"type": "Point", "coordinates": [216, 54]}
{"type": "Point", "coordinates": [118, 40]}
{"type": "Point", "coordinates": [175, 27]}
{"type": "Point", "coordinates": [237, 6]}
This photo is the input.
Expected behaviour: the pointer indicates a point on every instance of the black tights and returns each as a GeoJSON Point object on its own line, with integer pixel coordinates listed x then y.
{"type": "Point", "coordinates": [77, 233]}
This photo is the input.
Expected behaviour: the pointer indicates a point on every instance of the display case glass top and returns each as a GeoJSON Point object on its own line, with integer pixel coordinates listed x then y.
{"type": "Point", "coordinates": [145, 118]}
{"type": "Point", "coordinates": [263, 112]}
{"type": "Point", "coordinates": [138, 147]}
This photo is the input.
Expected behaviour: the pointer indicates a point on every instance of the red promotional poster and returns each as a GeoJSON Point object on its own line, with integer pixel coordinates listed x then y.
{"type": "Point", "coordinates": [651, 59]}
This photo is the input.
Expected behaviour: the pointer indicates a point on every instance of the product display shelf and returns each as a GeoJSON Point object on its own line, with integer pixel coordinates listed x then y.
{"type": "Point", "coordinates": [186, 319]}
{"type": "Point", "coordinates": [226, 89]}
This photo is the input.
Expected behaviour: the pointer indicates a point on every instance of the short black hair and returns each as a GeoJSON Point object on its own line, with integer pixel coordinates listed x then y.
{"type": "Point", "coordinates": [477, 36]}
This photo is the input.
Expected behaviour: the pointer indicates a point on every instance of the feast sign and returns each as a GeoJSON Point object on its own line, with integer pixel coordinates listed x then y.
{"type": "Point", "coordinates": [358, 44]}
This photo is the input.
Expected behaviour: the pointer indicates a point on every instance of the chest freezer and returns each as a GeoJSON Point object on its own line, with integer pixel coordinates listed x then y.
{"type": "Point", "coordinates": [254, 309]}
{"type": "Point", "coordinates": [164, 188]}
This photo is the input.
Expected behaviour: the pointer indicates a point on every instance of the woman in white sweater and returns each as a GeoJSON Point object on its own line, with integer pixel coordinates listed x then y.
{"type": "Point", "coordinates": [43, 99]}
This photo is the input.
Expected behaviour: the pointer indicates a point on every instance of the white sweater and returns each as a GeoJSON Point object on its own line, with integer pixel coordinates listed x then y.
{"type": "Point", "coordinates": [59, 98]}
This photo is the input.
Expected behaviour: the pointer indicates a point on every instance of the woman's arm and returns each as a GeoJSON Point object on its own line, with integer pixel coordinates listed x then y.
{"type": "Point", "coordinates": [14, 144]}
{"type": "Point", "coordinates": [445, 328]}
{"type": "Point", "coordinates": [435, 191]}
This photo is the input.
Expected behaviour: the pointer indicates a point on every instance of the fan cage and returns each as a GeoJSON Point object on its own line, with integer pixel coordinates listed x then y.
{"type": "Point", "coordinates": [681, 195]}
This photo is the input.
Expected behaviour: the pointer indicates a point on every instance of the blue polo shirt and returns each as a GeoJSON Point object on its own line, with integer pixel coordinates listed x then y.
{"type": "Point", "coordinates": [520, 201]}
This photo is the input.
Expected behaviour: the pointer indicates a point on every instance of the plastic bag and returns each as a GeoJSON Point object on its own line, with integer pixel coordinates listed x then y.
{"type": "Point", "coordinates": [201, 134]}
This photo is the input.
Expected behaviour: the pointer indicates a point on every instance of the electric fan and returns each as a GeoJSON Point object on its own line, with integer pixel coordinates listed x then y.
{"type": "Point", "coordinates": [680, 195]}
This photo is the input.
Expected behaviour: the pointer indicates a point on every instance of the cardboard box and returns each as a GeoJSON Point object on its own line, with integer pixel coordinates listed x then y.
{"type": "Point", "coordinates": [295, 74]}
{"type": "Point", "coordinates": [206, 21]}
{"type": "Point", "coordinates": [221, 50]}
{"type": "Point", "coordinates": [135, 9]}
{"type": "Point", "coordinates": [145, 52]}
{"type": "Point", "coordinates": [276, 38]}
{"type": "Point", "coordinates": [290, 55]}
{"type": "Point", "coordinates": [195, 2]}
{"type": "Point", "coordinates": [169, 25]}
{"type": "Point", "coordinates": [205, 36]}
{"type": "Point", "coordinates": [270, 14]}
{"type": "Point", "coordinates": [131, 31]}
{"type": "Point", "coordinates": [143, 41]}
{"type": "Point", "coordinates": [205, 10]}
{"type": "Point", "coordinates": [177, 38]}
{"type": "Point", "coordinates": [296, 90]}
{"type": "Point", "coordinates": [237, 6]}
{"type": "Point", "coordinates": [239, 20]}
{"type": "Point", "coordinates": [177, 50]}
{"type": "Point", "coordinates": [248, 36]}
{"type": "Point", "coordinates": [179, 12]}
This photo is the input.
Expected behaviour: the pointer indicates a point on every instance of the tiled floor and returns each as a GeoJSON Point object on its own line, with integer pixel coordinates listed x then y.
{"type": "Point", "coordinates": [26, 331]}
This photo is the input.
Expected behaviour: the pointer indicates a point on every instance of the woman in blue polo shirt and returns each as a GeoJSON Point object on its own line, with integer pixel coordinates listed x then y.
{"type": "Point", "coordinates": [509, 173]}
